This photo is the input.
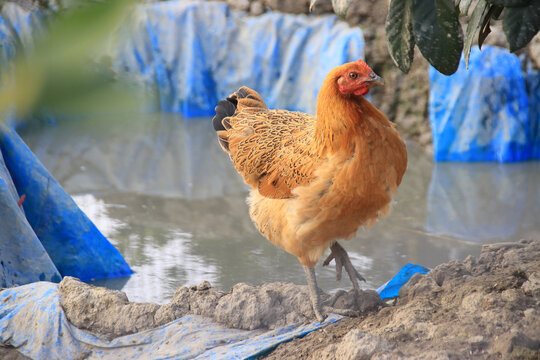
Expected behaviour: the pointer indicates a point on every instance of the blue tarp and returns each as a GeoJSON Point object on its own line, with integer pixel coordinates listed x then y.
{"type": "Point", "coordinates": [193, 53]}
{"type": "Point", "coordinates": [196, 53]}
{"type": "Point", "coordinates": [488, 112]}
{"type": "Point", "coordinates": [71, 240]}
{"type": "Point", "coordinates": [22, 256]}
{"type": "Point", "coordinates": [33, 322]}
{"type": "Point", "coordinates": [390, 290]}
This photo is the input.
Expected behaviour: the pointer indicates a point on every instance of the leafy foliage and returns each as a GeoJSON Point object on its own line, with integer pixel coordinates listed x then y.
{"type": "Point", "coordinates": [399, 30]}
{"type": "Point", "coordinates": [60, 73]}
{"type": "Point", "coordinates": [433, 20]}
{"type": "Point", "coordinates": [520, 24]}
{"type": "Point", "coordinates": [433, 26]}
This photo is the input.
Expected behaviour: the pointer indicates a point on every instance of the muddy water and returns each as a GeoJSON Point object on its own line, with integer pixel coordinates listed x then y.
{"type": "Point", "coordinates": [163, 192]}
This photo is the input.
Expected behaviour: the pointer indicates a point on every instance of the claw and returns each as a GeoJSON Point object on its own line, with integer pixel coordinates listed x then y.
{"type": "Point", "coordinates": [339, 264]}
{"type": "Point", "coordinates": [343, 261]}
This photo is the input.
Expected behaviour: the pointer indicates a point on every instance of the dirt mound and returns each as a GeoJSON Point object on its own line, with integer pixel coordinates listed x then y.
{"type": "Point", "coordinates": [271, 305]}
{"type": "Point", "coordinates": [482, 308]}
{"type": "Point", "coordinates": [477, 308]}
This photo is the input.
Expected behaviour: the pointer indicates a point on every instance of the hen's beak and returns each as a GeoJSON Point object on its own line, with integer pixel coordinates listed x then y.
{"type": "Point", "coordinates": [375, 79]}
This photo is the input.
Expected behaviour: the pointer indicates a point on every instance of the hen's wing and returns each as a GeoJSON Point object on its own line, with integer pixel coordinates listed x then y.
{"type": "Point", "coordinates": [269, 148]}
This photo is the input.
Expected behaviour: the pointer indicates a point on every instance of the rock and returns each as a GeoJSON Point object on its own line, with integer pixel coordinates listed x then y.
{"type": "Point", "coordinates": [322, 7]}
{"type": "Point", "coordinates": [288, 6]}
{"type": "Point", "coordinates": [242, 5]}
{"type": "Point", "coordinates": [10, 353]}
{"type": "Point", "coordinates": [256, 8]}
{"type": "Point", "coordinates": [361, 345]}
{"type": "Point", "coordinates": [531, 287]}
{"type": "Point", "coordinates": [356, 345]}
{"type": "Point", "coordinates": [533, 51]}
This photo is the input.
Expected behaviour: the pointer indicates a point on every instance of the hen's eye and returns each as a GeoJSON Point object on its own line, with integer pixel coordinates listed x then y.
{"type": "Point", "coordinates": [353, 75]}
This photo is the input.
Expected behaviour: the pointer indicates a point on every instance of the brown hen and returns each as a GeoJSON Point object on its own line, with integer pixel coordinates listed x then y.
{"type": "Point", "coordinates": [315, 179]}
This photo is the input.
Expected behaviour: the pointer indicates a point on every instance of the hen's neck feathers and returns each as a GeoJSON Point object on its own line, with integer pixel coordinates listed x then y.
{"type": "Point", "coordinates": [339, 118]}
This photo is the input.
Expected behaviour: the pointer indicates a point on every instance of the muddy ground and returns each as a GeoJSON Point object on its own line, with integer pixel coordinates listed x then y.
{"type": "Point", "coordinates": [486, 308]}
{"type": "Point", "coordinates": [482, 308]}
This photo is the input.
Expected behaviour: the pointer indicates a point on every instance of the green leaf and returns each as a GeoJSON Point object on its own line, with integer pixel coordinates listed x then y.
{"type": "Point", "coordinates": [56, 71]}
{"type": "Point", "coordinates": [493, 13]}
{"type": "Point", "coordinates": [81, 29]}
{"type": "Point", "coordinates": [399, 33]}
{"type": "Point", "coordinates": [438, 34]}
{"type": "Point", "coordinates": [509, 3]}
{"type": "Point", "coordinates": [341, 7]}
{"type": "Point", "coordinates": [521, 24]}
{"type": "Point", "coordinates": [475, 22]}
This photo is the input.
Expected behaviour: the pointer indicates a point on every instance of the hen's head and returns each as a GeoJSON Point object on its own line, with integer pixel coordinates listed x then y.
{"type": "Point", "coordinates": [356, 78]}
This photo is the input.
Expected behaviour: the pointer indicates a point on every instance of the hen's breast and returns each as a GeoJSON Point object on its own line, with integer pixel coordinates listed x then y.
{"type": "Point", "coordinates": [349, 189]}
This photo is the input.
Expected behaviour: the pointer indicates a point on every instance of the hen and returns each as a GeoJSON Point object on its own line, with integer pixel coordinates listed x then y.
{"type": "Point", "coordinates": [315, 179]}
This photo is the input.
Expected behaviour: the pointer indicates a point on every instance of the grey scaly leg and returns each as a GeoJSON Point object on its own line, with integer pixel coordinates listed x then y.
{"type": "Point", "coordinates": [313, 292]}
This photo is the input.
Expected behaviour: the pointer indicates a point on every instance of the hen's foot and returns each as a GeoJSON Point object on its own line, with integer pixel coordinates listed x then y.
{"type": "Point", "coordinates": [343, 261]}
{"type": "Point", "coordinates": [319, 309]}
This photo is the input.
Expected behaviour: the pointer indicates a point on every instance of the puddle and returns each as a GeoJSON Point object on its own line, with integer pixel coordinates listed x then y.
{"type": "Point", "coordinates": [162, 191]}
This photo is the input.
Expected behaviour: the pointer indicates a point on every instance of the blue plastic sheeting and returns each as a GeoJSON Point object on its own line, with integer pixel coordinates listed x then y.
{"type": "Point", "coordinates": [485, 113]}
{"type": "Point", "coordinates": [72, 241]}
{"type": "Point", "coordinates": [532, 80]}
{"type": "Point", "coordinates": [194, 53]}
{"type": "Point", "coordinates": [199, 52]}
{"type": "Point", "coordinates": [390, 290]}
{"type": "Point", "coordinates": [22, 257]}
{"type": "Point", "coordinates": [32, 321]}
{"type": "Point", "coordinates": [26, 24]}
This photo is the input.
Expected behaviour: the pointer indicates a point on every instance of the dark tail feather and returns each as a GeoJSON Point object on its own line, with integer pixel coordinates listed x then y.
{"type": "Point", "coordinates": [225, 108]}
{"type": "Point", "coordinates": [243, 98]}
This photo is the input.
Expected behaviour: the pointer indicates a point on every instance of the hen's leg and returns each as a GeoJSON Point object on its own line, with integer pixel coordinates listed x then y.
{"type": "Point", "coordinates": [315, 298]}
{"type": "Point", "coordinates": [313, 292]}
{"type": "Point", "coordinates": [342, 261]}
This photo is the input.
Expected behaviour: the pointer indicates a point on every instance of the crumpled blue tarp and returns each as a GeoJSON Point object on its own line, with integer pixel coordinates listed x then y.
{"type": "Point", "coordinates": [485, 112]}
{"type": "Point", "coordinates": [33, 322]}
{"type": "Point", "coordinates": [194, 53]}
{"type": "Point", "coordinates": [22, 256]}
{"type": "Point", "coordinates": [72, 241]}
{"type": "Point", "coordinates": [532, 81]}
{"type": "Point", "coordinates": [391, 289]}
{"type": "Point", "coordinates": [197, 53]}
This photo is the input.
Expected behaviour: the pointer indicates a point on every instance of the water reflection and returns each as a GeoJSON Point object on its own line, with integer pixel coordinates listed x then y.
{"type": "Point", "coordinates": [485, 201]}
{"type": "Point", "coordinates": [159, 154]}
{"type": "Point", "coordinates": [160, 188]}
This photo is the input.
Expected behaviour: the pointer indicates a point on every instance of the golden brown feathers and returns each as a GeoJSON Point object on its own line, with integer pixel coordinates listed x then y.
{"type": "Point", "coordinates": [314, 179]}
